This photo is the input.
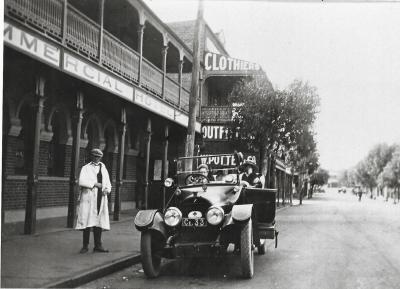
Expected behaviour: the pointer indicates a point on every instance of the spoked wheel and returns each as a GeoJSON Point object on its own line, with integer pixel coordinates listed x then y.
{"type": "Point", "coordinates": [246, 250]}
{"type": "Point", "coordinates": [151, 252]}
{"type": "Point", "coordinates": [262, 249]}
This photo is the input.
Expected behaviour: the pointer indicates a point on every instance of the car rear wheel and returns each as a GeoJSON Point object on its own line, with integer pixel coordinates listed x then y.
{"type": "Point", "coordinates": [246, 250]}
{"type": "Point", "coordinates": [150, 249]}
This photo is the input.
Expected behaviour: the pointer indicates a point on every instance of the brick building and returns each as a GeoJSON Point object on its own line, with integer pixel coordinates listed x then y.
{"type": "Point", "coordinates": [80, 74]}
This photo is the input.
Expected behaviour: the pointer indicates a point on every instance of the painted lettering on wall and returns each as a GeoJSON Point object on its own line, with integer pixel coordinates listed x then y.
{"type": "Point", "coordinates": [93, 75]}
{"type": "Point", "coordinates": [151, 103]}
{"type": "Point", "coordinates": [218, 62]}
{"type": "Point", "coordinates": [31, 44]}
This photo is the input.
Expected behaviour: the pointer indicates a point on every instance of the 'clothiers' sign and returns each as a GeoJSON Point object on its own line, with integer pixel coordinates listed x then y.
{"type": "Point", "coordinates": [217, 62]}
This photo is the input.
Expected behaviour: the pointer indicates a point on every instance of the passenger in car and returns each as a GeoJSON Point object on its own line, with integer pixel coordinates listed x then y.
{"type": "Point", "coordinates": [249, 174]}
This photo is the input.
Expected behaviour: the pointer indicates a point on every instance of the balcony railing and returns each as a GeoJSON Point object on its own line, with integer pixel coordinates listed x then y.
{"type": "Point", "coordinates": [171, 91]}
{"type": "Point", "coordinates": [45, 14]}
{"type": "Point", "coordinates": [83, 35]}
{"type": "Point", "coordinates": [152, 77]}
{"type": "Point", "coordinates": [217, 114]}
{"type": "Point", "coordinates": [185, 99]}
{"type": "Point", "coordinates": [119, 57]}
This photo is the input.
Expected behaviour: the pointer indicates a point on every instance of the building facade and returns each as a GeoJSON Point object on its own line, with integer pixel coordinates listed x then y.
{"type": "Point", "coordinates": [80, 74]}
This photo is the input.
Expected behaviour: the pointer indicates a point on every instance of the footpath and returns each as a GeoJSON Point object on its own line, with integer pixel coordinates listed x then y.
{"type": "Point", "coordinates": [52, 259]}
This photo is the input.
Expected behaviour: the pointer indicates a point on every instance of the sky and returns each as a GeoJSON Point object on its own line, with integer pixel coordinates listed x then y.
{"type": "Point", "coordinates": [349, 51]}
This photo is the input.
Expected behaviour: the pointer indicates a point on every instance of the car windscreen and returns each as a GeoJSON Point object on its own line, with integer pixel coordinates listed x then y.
{"type": "Point", "coordinates": [214, 168]}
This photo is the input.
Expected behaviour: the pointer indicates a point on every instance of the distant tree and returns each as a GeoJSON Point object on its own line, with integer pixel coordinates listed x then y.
{"type": "Point", "coordinates": [319, 178]}
{"type": "Point", "coordinates": [390, 175]}
{"type": "Point", "coordinates": [369, 170]}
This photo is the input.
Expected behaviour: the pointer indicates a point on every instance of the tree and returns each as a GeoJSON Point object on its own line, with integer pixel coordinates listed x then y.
{"type": "Point", "coordinates": [275, 122]}
{"type": "Point", "coordinates": [318, 178]}
{"type": "Point", "coordinates": [369, 170]}
{"type": "Point", "coordinates": [390, 175]}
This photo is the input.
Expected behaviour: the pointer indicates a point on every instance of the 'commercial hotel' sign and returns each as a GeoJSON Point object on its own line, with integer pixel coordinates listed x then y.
{"type": "Point", "coordinates": [97, 77]}
{"type": "Point", "coordinates": [31, 44]}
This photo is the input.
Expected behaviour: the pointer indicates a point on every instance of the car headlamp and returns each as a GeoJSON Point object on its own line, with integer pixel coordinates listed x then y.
{"type": "Point", "coordinates": [172, 216]}
{"type": "Point", "coordinates": [168, 182]}
{"type": "Point", "coordinates": [215, 215]}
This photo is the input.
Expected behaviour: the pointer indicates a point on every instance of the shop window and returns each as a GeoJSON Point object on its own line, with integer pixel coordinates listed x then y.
{"type": "Point", "coordinates": [56, 154]}
{"type": "Point", "coordinates": [24, 147]}
{"type": "Point", "coordinates": [108, 157]}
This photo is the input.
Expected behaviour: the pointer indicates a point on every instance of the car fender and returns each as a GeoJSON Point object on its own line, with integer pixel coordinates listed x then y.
{"type": "Point", "coordinates": [150, 220]}
{"type": "Point", "coordinates": [241, 213]}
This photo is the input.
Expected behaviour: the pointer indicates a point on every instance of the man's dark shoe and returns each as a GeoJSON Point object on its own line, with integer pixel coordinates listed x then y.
{"type": "Point", "coordinates": [84, 250]}
{"type": "Point", "coordinates": [100, 249]}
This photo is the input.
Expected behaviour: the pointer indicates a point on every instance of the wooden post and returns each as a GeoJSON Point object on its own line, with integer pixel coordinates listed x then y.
{"type": "Point", "coordinates": [64, 21]}
{"type": "Point", "coordinates": [165, 161]}
{"type": "Point", "coordinates": [120, 171]}
{"type": "Point", "coordinates": [164, 53]}
{"type": "Point", "coordinates": [76, 148]}
{"type": "Point", "coordinates": [194, 89]}
{"type": "Point", "coordinates": [101, 21]}
{"type": "Point", "coordinates": [180, 66]}
{"type": "Point", "coordinates": [30, 211]}
{"type": "Point", "coordinates": [146, 181]}
{"type": "Point", "coordinates": [140, 50]}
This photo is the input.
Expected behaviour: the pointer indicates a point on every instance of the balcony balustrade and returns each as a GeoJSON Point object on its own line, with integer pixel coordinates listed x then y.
{"type": "Point", "coordinates": [171, 91]}
{"type": "Point", "coordinates": [83, 35]}
{"type": "Point", "coordinates": [216, 114]}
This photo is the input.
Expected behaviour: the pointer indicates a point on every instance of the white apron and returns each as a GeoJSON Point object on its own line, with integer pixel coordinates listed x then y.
{"type": "Point", "coordinates": [87, 215]}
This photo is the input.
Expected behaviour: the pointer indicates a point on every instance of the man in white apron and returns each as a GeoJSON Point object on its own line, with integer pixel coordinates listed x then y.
{"type": "Point", "coordinates": [92, 212]}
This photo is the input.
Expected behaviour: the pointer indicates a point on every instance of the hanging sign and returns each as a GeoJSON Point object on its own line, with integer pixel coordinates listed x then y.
{"type": "Point", "coordinates": [214, 62]}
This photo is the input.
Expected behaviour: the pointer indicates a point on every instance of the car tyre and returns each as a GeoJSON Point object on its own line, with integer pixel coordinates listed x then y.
{"type": "Point", "coordinates": [262, 249]}
{"type": "Point", "coordinates": [246, 250]}
{"type": "Point", "coordinates": [151, 254]}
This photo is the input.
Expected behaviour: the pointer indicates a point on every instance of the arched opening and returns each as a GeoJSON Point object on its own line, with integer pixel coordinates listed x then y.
{"type": "Point", "coordinates": [24, 145]}
{"type": "Point", "coordinates": [91, 8]}
{"type": "Point", "coordinates": [93, 138]}
{"type": "Point", "coordinates": [152, 45]}
{"type": "Point", "coordinates": [56, 161]}
{"type": "Point", "coordinates": [109, 149]}
{"type": "Point", "coordinates": [172, 61]}
{"type": "Point", "coordinates": [187, 74]}
{"type": "Point", "coordinates": [121, 19]}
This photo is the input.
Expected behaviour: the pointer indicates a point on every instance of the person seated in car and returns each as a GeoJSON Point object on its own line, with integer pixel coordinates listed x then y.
{"type": "Point", "coordinates": [203, 170]}
{"type": "Point", "coordinates": [249, 176]}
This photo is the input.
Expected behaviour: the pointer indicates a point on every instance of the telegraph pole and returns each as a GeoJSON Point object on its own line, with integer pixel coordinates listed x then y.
{"type": "Point", "coordinates": [194, 88]}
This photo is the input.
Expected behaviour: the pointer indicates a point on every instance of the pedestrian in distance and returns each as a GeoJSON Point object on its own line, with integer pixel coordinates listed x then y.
{"type": "Point", "coordinates": [92, 212]}
{"type": "Point", "coordinates": [359, 192]}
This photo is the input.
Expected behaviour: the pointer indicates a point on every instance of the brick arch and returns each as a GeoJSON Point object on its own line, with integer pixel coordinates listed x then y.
{"type": "Point", "coordinates": [28, 99]}
{"type": "Point", "coordinates": [66, 131]}
{"type": "Point", "coordinates": [112, 125]}
{"type": "Point", "coordinates": [93, 119]}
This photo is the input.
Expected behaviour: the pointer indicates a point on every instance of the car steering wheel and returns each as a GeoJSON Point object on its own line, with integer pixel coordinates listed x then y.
{"type": "Point", "coordinates": [196, 179]}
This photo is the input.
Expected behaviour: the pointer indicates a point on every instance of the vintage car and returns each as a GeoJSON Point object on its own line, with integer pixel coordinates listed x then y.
{"type": "Point", "coordinates": [205, 213]}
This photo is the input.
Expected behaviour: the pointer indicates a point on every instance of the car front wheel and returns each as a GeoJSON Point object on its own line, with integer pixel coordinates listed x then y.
{"type": "Point", "coordinates": [150, 249]}
{"type": "Point", "coordinates": [246, 250]}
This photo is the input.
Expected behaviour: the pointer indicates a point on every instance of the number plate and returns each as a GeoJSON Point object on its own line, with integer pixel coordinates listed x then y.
{"type": "Point", "coordinates": [201, 222]}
